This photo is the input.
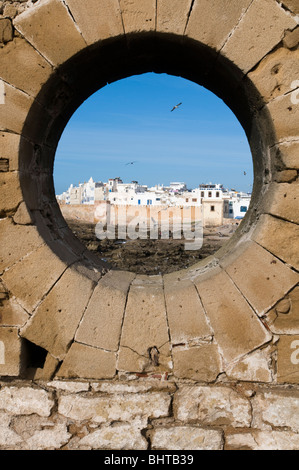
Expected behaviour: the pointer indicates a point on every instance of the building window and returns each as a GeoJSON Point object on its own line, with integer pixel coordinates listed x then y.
{"type": "Point", "coordinates": [187, 200]}
{"type": "Point", "coordinates": [217, 194]}
{"type": "Point", "coordinates": [202, 194]}
{"type": "Point", "coordinates": [243, 209]}
{"type": "Point", "coordinates": [194, 200]}
{"type": "Point", "coordinates": [212, 208]}
{"type": "Point", "coordinates": [210, 194]}
{"type": "Point", "coordinates": [139, 202]}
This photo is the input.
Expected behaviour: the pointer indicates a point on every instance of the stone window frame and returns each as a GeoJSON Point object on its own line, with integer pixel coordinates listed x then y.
{"type": "Point", "coordinates": [42, 260]}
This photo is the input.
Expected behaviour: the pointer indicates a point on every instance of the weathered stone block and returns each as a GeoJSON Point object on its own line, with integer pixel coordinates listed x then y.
{"type": "Point", "coordinates": [48, 370]}
{"type": "Point", "coordinates": [186, 317]}
{"type": "Point", "coordinates": [282, 200]}
{"type": "Point", "coordinates": [87, 362]}
{"type": "Point", "coordinates": [10, 352]}
{"type": "Point", "coordinates": [284, 317]}
{"type": "Point", "coordinates": [138, 15]}
{"type": "Point", "coordinates": [51, 30]}
{"type": "Point", "coordinates": [6, 30]}
{"type": "Point", "coordinates": [69, 386]}
{"type": "Point", "coordinates": [133, 386]}
{"type": "Point", "coordinates": [256, 367]}
{"type": "Point", "coordinates": [288, 359]}
{"type": "Point", "coordinates": [237, 329]}
{"type": "Point", "coordinates": [15, 109]}
{"type": "Point", "coordinates": [292, 5]}
{"type": "Point", "coordinates": [11, 313]}
{"type": "Point", "coordinates": [49, 439]}
{"type": "Point", "coordinates": [172, 15]}
{"type": "Point", "coordinates": [201, 363]}
{"type": "Point", "coordinates": [10, 11]}
{"type": "Point", "coordinates": [245, 47]}
{"type": "Point", "coordinates": [145, 328]}
{"type": "Point", "coordinates": [276, 72]}
{"type": "Point", "coordinates": [4, 164]}
{"type": "Point", "coordinates": [102, 321]}
{"type": "Point", "coordinates": [285, 116]}
{"type": "Point", "coordinates": [121, 408]}
{"type": "Point", "coordinates": [217, 406]}
{"type": "Point", "coordinates": [131, 361]}
{"type": "Point", "coordinates": [280, 238]}
{"type": "Point", "coordinates": [276, 409]}
{"type": "Point", "coordinates": [26, 401]}
{"type": "Point", "coordinates": [16, 242]}
{"type": "Point", "coordinates": [8, 437]}
{"type": "Point", "coordinates": [11, 193]}
{"type": "Point", "coordinates": [22, 66]}
{"type": "Point", "coordinates": [211, 21]}
{"type": "Point", "coordinates": [31, 278]}
{"type": "Point", "coordinates": [9, 149]}
{"type": "Point", "coordinates": [22, 215]}
{"type": "Point", "coordinates": [262, 440]}
{"type": "Point", "coordinates": [285, 176]}
{"type": "Point", "coordinates": [186, 438]}
{"type": "Point", "coordinates": [99, 20]}
{"type": "Point", "coordinates": [121, 436]}
{"type": "Point", "coordinates": [291, 39]}
{"type": "Point", "coordinates": [265, 269]}
{"type": "Point", "coordinates": [56, 319]}
{"type": "Point", "coordinates": [287, 154]}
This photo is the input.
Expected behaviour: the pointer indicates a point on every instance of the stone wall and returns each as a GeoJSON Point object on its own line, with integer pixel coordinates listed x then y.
{"type": "Point", "coordinates": [102, 358]}
{"type": "Point", "coordinates": [148, 414]}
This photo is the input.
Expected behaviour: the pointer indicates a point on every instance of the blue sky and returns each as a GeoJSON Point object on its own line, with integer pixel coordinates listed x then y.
{"type": "Point", "coordinates": [130, 120]}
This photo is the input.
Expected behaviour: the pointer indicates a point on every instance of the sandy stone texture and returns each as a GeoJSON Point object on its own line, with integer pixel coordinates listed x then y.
{"type": "Point", "coordinates": [47, 27]}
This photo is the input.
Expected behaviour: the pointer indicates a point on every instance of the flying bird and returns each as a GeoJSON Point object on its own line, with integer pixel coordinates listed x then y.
{"type": "Point", "coordinates": [245, 173]}
{"type": "Point", "coordinates": [130, 163]}
{"type": "Point", "coordinates": [176, 106]}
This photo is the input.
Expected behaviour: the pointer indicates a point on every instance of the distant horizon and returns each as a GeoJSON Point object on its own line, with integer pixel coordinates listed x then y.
{"type": "Point", "coordinates": [132, 120]}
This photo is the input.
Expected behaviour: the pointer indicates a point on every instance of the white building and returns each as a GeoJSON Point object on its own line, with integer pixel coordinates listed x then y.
{"type": "Point", "coordinates": [120, 193]}
{"type": "Point", "coordinates": [236, 204]}
{"type": "Point", "coordinates": [85, 193]}
{"type": "Point", "coordinates": [177, 187]}
{"type": "Point", "coordinates": [214, 197]}
{"type": "Point", "coordinates": [207, 191]}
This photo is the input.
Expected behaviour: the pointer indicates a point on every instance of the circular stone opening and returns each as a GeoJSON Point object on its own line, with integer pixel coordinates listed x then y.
{"type": "Point", "coordinates": [113, 60]}
{"type": "Point", "coordinates": [185, 173]}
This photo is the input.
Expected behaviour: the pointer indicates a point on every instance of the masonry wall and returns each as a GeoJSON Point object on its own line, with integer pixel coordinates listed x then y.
{"type": "Point", "coordinates": [148, 414]}
{"type": "Point", "coordinates": [206, 357]}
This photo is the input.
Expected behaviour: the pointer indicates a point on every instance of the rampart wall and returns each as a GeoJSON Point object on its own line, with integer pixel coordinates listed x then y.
{"type": "Point", "coordinates": [204, 358]}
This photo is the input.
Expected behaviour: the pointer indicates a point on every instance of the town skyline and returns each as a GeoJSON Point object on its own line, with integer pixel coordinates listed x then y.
{"type": "Point", "coordinates": [215, 201]}
{"type": "Point", "coordinates": [157, 184]}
